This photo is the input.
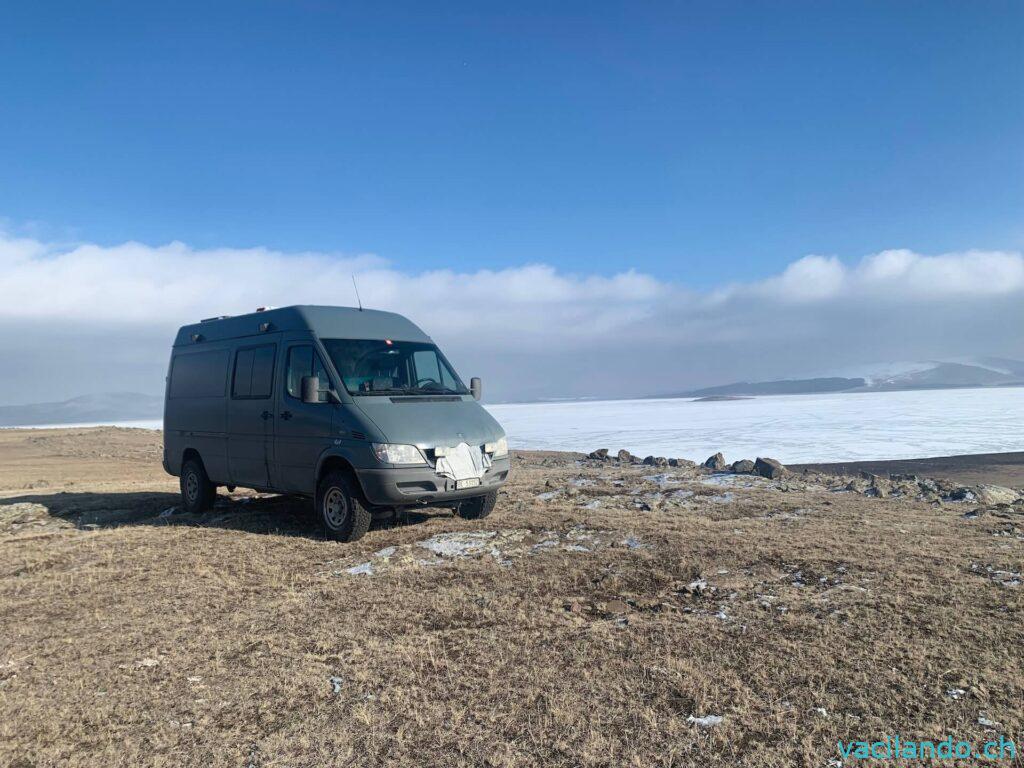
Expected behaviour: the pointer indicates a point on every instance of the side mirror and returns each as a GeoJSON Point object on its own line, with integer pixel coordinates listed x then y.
{"type": "Point", "coordinates": [311, 389]}
{"type": "Point", "coordinates": [476, 387]}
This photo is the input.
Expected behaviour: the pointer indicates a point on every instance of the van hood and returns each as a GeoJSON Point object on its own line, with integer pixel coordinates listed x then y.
{"type": "Point", "coordinates": [429, 424]}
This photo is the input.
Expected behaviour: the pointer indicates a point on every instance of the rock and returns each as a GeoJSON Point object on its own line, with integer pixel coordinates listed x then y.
{"type": "Point", "coordinates": [715, 462]}
{"type": "Point", "coordinates": [769, 468]}
{"type": "Point", "coordinates": [681, 463]}
{"type": "Point", "coordinates": [695, 587]}
{"type": "Point", "coordinates": [660, 461]}
{"type": "Point", "coordinates": [742, 467]}
{"type": "Point", "coordinates": [600, 454]}
{"type": "Point", "coordinates": [880, 487]}
{"type": "Point", "coordinates": [908, 490]}
{"type": "Point", "coordinates": [649, 461]}
{"type": "Point", "coordinates": [996, 494]}
{"type": "Point", "coordinates": [625, 456]}
{"type": "Point", "coordinates": [616, 606]}
{"type": "Point", "coordinates": [962, 493]}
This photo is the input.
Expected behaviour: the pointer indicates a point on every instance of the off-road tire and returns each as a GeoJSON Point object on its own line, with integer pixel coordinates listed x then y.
{"type": "Point", "coordinates": [477, 507]}
{"type": "Point", "coordinates": [339, 508]}
{"type": "Point", "coordinates": [197, 492]}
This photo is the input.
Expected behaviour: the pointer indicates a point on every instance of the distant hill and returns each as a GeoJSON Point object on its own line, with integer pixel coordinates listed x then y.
{"type": "Point", "coordinates": [948, 376]}
{"type": "Point", "coordinates": [114, 406]}
{"type": "Point", "coordinates": [783, 387]}
{"type": "Point", "coordinates": [982, 372]}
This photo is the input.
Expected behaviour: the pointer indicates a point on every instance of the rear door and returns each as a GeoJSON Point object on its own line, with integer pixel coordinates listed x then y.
{"type": "Point", "coordinates": [251, 414]}
{"type": "Point", "coordinates": [303, 430]}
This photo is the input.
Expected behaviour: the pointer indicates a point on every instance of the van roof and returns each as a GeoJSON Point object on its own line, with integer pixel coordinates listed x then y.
{"type": "Point", "coordinates": [326, 322]}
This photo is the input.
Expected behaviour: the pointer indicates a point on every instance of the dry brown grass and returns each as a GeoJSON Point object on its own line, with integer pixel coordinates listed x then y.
{"type": "Point", "coordinates": [130, 639]}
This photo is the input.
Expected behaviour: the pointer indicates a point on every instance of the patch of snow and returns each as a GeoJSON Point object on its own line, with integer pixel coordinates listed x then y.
{"type": "Point", "coordinates": [707, 721]}
{"type": "Point", "coordinates": [732, 481]}
{"type": "Point", "coordinates": [504, 546]}
{"type": "Point", "coordinates": [663, 479]}
{"type": "Point", "coordinates": [459, 544]}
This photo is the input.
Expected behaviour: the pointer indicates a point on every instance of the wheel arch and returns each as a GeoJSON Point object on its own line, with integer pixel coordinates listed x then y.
{"type": "Point", "coordinates": [336, 462]}
{"type": "Point", "coordinates": [192, 453]}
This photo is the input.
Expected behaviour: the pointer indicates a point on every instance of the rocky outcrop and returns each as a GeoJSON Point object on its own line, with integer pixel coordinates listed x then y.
{"type": "Point", "coordinates": [656, 461]}
{"type": "Point", "coordinates": [996, 495]}
{"type": "Point", "coordinates": [625, 456]}
{"type": "Point", "coordinates": [769, 468]}
{"type": "Point", "coordinates": [742, 467]}
{"type": "Point", "coordinates": [716, 462]}
{"type": "Point", "coordinates": [601, 454]}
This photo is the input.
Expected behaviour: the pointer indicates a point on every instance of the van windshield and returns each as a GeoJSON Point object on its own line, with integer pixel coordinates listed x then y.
{"type": "Point", "coordinates": [387, 367]}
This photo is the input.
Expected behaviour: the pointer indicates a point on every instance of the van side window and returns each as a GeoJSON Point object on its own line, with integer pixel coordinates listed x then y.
{"type": "Point", "coordinates": [243, 373]}
{"type": "Point", "coordinates": [199, 374]}
{"type": "Point", "coordinates": [303, 361]}
{"type": "Point", "coordinates": [254, 372]}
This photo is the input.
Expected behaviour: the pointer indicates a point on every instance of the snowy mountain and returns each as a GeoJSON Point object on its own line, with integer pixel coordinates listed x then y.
{"type": "Point", "coordinates": [936, 374]}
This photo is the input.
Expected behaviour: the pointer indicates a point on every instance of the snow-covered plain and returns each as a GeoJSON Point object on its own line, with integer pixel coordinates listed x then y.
{"type": "Point", "coordinates": [791, 428]}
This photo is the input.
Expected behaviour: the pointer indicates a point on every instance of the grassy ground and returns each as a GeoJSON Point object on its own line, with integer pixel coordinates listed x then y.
{"type": "Point", "coordinates": [585, 622]}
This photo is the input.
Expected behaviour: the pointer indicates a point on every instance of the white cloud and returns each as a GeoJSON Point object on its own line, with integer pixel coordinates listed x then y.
{"type": "Point", "coordinates": [538, 330]}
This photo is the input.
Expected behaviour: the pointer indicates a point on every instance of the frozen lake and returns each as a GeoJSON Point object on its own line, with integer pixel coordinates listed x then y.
{"type": "Point", "coordinates": [791, 428]}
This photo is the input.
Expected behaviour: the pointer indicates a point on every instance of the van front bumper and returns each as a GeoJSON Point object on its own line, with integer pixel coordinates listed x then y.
{"type": "Point", "coordinates": [411, 486]}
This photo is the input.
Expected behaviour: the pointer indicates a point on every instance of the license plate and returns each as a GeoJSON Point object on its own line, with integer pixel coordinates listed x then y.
{"type": "Point", "coordinates": [472, 482]}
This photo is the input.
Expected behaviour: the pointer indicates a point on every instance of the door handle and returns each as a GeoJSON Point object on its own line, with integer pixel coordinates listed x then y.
{"type": "Point", "coordinates": [286, 415]}
{"type": "Point", "coordinates": [266, 415]}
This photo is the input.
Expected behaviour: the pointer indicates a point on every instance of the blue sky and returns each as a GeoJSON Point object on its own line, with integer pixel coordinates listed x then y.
{"type": "Point", "coordinates": [697, 142]}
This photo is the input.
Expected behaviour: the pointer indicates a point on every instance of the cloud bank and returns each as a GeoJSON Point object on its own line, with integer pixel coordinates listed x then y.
{"type": "Point", "coordinates": [83, 318]}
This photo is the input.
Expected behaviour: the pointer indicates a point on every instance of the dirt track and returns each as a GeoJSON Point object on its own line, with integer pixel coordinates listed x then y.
{"type": "Point", "coordinates": [586, 622]}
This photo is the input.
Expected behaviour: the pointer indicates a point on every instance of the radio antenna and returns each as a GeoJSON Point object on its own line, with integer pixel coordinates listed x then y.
{"type": "Point", "coordinates": [359, 300]}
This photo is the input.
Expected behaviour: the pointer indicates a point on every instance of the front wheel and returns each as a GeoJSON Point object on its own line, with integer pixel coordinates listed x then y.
{"type": "Point", "coordinates": [340, 510]}
{"type": "Point", "coordinates": [477, 507]}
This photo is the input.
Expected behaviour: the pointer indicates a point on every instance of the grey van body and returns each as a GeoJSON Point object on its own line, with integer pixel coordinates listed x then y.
{"type": "Point", "coordinates": [228, 403]}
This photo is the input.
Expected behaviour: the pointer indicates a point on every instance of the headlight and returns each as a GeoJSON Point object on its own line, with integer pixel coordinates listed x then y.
{"type": "Point", "coordinates": [498, 448]}
{"type": "Point", "coordinates": [389, 453]}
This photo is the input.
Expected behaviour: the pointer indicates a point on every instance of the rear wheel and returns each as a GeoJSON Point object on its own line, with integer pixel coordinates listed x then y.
{"type": "Point", "coordinates": [339, 508]}
{"type": "Point", "coordinates": [477, 507]}
{"type": "Point", "coordinates": [197, 492]}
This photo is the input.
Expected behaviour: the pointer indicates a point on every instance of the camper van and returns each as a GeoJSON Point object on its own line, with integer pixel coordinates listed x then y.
{"type": "Point", "coordinates": [356, 409]}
